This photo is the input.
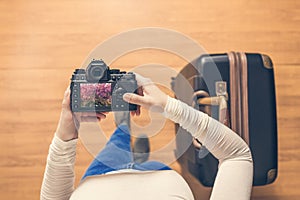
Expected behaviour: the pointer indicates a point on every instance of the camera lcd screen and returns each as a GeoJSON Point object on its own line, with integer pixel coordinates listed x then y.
{"type": "Point", "coordinates": [92, 94]}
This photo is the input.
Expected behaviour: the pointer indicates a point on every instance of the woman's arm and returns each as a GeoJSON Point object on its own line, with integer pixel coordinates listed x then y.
{"type": "Point", "coordinates": [58, 182]}
{"type": "Point", "coordinates": [234, 178]}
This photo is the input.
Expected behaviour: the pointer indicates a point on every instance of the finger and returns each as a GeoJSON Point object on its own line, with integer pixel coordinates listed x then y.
{"type": "Point", "coordinates": [66, 100]}
{"type": "Point", "coordinates": [93, 114]}
{"type": "Point", "coordinates": [132, 113]}
{"type": "Point", "coordinates": [100, 115]}
{"type": "Point", "coordinates": [138, 110]}
{"type": "Point", "coordinates": [89, 119]}
{"type": "Point", "coordinates": [88, 114]}
{"type": "Point", "coordinates": [133, 98]}
{"type": "Point", "coordinates": [104, 113]}
{"type": "Point", "coordinates": [140, 91]}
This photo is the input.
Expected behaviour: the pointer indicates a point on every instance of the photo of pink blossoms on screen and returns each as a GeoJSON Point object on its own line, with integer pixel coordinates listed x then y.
{"type": "Point", "coordinates": [95, 93]}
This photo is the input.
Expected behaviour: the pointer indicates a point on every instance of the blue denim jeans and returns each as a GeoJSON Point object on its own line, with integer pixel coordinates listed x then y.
{"type": "Point", "coordinates": [117, 155]}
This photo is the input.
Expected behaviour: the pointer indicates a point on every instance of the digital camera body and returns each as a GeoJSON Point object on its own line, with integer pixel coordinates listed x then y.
{"type": "Point", "coordinates": [100, 89]}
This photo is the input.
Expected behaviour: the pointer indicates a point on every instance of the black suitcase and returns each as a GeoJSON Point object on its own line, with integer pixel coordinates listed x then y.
{"type": "Point", "coordinates": [245, 81]}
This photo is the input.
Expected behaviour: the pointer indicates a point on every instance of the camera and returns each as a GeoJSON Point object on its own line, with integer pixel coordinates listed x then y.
{"type": "Point", "coordinates": [100, 89]}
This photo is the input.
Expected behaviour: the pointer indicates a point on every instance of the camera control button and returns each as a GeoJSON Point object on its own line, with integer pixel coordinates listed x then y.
{"type": "Point", "coordinates": [120, 91]}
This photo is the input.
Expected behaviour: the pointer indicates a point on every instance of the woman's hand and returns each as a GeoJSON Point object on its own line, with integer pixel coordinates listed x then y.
{"type": "Point", "coordinates": [69, 122]}
{"type": "Point", "coordinates": [149, 95]}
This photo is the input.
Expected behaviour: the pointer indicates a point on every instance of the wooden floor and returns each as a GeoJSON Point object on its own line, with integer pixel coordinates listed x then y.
{"type": "Point", "coordinates": [43, 41]}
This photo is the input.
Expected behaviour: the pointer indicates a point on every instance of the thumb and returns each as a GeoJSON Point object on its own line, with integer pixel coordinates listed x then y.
{"type": "Point", "coordinates": [66, 100]}
{"type": "Point", "coordinates": [133, 98]}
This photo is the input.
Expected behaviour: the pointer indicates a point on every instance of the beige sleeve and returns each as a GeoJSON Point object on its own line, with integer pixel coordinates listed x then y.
{"type": "Point", "coordinates": [235, 174]}
{"type": "Point", "coordinates": [58, 182]}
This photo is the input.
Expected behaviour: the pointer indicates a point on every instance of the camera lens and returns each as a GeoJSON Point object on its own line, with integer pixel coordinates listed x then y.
{"type": "Point", "coordinates": [96, 71]}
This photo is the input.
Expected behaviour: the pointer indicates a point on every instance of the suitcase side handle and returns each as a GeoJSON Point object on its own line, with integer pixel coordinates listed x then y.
{"type": "Point", "coordinates": [219, 100]}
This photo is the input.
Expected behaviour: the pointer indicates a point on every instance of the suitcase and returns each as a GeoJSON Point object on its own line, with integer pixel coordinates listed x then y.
{"type": "Point", "coordinates": [238, 90]}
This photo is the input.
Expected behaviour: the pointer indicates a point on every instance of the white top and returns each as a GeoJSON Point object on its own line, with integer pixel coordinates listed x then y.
{"type": "Point", "coordinates": [234, 178]}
